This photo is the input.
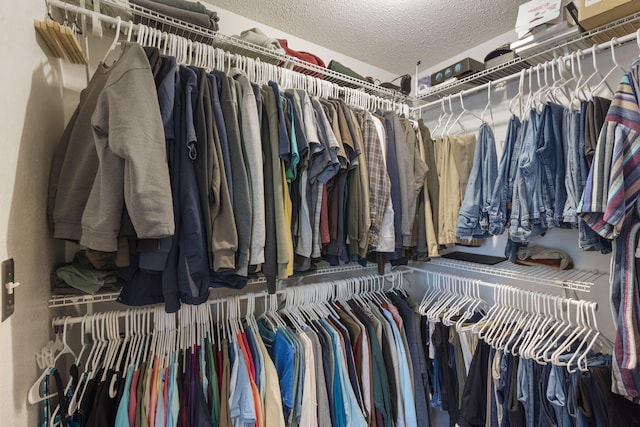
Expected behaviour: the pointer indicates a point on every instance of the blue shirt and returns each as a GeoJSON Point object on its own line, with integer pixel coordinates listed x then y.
{"type": "Point", "coordinates": [241, 406]}
{"type": "Point", "coordinates": [283, 354]}
{"type": "Point", "coordinates": [348, 412]}
{"type": "Point", "coordinates": [405, 377]}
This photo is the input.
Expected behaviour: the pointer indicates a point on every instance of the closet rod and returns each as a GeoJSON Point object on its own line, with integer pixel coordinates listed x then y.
{"type": "Point", "coordinates": [77, 9]}
{"type": "Point", "coordinates": [66, 320]}
{"type": "Point", "coordinates": [353, 96]}
{"type": "Point", "coordinates": [616, 41]}
{"type": "Point", "coordinates": [489, 285]}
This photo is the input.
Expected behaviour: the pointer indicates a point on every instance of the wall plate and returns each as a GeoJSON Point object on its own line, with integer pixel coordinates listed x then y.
{"type": "Point", "coordinates": [8, 299]}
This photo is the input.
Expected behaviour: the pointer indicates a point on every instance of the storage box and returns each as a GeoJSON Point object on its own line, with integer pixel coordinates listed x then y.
{"type": "Point", "coordinates": [538, 12]}
{"type": "Point", "coordinates": [459, 69]}
{"type": "Point", "coordinates": [594, 13]}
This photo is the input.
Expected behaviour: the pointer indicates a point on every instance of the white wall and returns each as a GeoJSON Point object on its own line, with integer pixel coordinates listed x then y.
{"type": "Point", "coordinates": [31, 120]}
{"type": "Point", "coordinates": [234, 24]}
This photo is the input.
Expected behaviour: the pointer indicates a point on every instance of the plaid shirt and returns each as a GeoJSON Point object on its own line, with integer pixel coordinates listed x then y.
{"type": "Point", "coordinates": [379, 184]}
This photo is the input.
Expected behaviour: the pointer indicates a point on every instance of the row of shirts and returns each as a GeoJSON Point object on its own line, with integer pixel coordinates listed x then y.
{"type": "Point", "coordinates": [199, 179]}
{"type": "Point", "coordinates": [363, 365]}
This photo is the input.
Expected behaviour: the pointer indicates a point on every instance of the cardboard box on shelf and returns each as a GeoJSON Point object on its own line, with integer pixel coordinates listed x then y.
{"type": "Point", "coordinates": [594, 13]}
{"type": "Point", "coordinates": [538, 13]}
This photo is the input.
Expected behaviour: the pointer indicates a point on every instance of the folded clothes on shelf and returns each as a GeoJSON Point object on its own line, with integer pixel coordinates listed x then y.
{"type": "Point", "coordinates": [304, 56]}
{"type": "Point", "coordinates": [257, 37]}
{"type": "Point", "coordinates": [204, 20]}
{"type": "Point", "coordinates": [538, 255]}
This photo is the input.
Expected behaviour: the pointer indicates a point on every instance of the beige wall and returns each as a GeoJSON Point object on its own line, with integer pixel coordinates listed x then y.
{"type": "Point", "coordinates": [31, 121]}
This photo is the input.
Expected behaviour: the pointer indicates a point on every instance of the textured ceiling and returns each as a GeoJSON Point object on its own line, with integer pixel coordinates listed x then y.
{"type": "Point", "coordinates": [390, 34]}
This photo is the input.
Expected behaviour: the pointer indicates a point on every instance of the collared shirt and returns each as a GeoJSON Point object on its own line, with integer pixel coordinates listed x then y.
{"type": "Point", "coordinates": [379, 184]}
{"type": "Point", "coordinates": [613, 185]}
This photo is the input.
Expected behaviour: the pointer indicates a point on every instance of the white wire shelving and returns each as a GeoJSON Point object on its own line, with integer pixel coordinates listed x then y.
{"type": "Point", "coordinates": [573, 280]}
{"type": "Point", "coordinates": [67, 300]}
{"type": "Point", "coordinates": [544, 53]}
{"type": "Point", "coordinates": [232, 45]}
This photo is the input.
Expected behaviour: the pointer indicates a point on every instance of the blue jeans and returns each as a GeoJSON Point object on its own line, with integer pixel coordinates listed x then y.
{"type": "Point", "coordinates": [557, 390]}
{"type": "Point", "coordinates": [572, 168]}
{"type": "Point", "coordinates": [526, 390]}
{"type": "Point", "coordinates": [527, 215]}
{"type": "Point", "coordinates": [499, 205]}
{"type": "Point", "coordinates": [551, 155]}
{"type": "Point", "coordinates": [473, 217]}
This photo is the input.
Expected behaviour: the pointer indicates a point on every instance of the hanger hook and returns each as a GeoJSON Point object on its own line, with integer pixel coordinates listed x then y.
{"type": "Point", "coordinates": [613, 51]}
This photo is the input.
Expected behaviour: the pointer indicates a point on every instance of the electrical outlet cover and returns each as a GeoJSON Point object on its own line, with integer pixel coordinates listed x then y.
{"type": "Point", "coordinates": [8, 299]}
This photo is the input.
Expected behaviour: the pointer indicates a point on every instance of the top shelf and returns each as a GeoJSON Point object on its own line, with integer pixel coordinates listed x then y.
{"type": "Point", "coordinates": [532, 58]}
{"type": "Point", "coordinates": [240, 47]}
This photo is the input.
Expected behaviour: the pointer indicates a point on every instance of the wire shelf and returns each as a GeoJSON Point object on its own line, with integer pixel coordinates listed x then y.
{"type": "Point", "coordinates": [68, 300]}
{"type": "Point", "coordinates": [544, 53]}
{"type": "Point", "coordinates": [76, 300]}
{"type": "Point", "coordinates": [240, 47]}
{"type": "Point", "coordinates": [575, 280]}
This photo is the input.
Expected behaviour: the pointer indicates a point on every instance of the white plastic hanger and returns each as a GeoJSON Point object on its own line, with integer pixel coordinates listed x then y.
{"type": "Point", "coordinates": [516, 101]}
{"type": "Point", "coordinates": [114, 43]}
{"type": "Point", "coordinates": [615, 67]}
{"type": "Point", "coordinates": [34, 396]}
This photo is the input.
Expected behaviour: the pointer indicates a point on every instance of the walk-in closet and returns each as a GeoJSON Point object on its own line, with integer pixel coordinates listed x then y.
{"type": "Point", "coordinates": [279, 213]}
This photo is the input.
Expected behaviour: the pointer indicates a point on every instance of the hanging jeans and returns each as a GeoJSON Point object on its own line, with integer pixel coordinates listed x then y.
{"type": "Point", "coordinates": [528, 209]}
{"type": "Point", "coordinates": [500, 203]}
{"type": "Point", "coordinates": [549, 141]}
{"type": "Point", "coordinates": [557, 389]}
{"type": "Point", "coordinates": [473, 217]}
{"type": "Point", "coordinates": [526, 390]}
{"type": "Point", "coordinates": [572, 168]}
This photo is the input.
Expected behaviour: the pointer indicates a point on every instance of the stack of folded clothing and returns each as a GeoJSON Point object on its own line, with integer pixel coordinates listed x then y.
{"type": "Point", "coordinates": [537, 255]}
{"type": "Point", "coordinates": [89, 272]}
{"type": "Point", "coordinates": [257, 37]}
{"type": "Point", "coordinates": [194, 13]}
{"type": "Point", "coordinates": [340, 68]}
{"type": "Point", "coordinates": [304, 56]}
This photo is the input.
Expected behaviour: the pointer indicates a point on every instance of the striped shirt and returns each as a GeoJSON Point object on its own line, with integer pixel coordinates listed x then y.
{"type": "Point", "coordinates": [625, 304]}
{"type": "Point", "coordinates": [613, 184]}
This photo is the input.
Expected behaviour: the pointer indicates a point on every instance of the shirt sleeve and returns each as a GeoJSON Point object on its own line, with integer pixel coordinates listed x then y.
{"type": "Point", "coordinates": [133, 169]}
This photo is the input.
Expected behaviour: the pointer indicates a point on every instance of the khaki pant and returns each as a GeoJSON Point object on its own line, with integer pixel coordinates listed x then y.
{"type": "Point", "coordinates": [454, 157]}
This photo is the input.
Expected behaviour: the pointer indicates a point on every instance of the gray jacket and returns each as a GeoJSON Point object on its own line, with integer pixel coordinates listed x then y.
{"type": "Point", "coordinates": [113, 155]}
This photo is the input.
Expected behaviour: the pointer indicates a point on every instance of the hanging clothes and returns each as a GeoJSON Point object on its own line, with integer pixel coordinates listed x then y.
{"type": "Point", "coordinates": [92, 183]}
